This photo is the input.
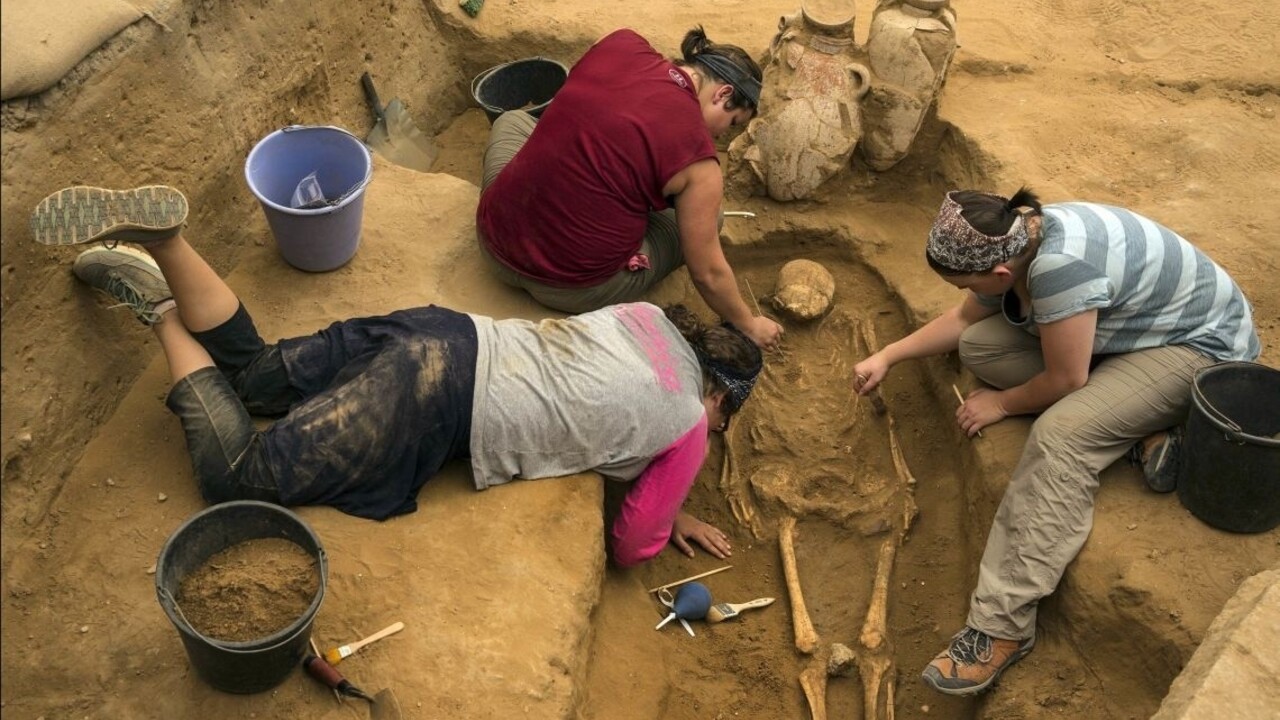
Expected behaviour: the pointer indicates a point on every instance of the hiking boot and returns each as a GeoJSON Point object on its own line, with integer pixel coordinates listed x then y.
{"type": "Point", "coordinates": [128, 275]}
{"type": "Point", "coordinates": [82, 214]}
{"type": "Point", "coordinates": [1158, 456]}
{"type": "Point", "coordinates": [973, 661]}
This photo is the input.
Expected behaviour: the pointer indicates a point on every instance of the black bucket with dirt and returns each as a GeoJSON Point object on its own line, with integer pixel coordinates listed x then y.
{"type": "Point", "coordinates": [1229, 475]}
{"type": "Point", "coordinates": [262, 661]}
{"type": "Point", "coordinates": [527, 85]}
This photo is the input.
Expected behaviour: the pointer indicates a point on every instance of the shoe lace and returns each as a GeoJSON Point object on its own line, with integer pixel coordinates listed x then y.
{"type": "Point", "coordinates": [129, 297]}
{"type": "Point", "coordinates": [970, 647]}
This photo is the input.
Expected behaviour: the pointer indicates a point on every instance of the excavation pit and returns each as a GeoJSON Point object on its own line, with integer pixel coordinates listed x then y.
{"type": "Point", "coordinates": [526, 620]}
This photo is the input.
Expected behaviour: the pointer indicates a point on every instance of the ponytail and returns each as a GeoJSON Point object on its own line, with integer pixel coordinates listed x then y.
{"type": "Point", "coordinates": [724, 63]}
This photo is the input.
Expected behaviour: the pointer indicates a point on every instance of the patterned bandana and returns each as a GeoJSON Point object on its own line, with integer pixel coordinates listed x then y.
{"type": "Point", "coordinates": [733, 74]}
{"type": "Point", "coordinates": [956, 245]}
{"type": "Point", "coordinates": [738, 383]}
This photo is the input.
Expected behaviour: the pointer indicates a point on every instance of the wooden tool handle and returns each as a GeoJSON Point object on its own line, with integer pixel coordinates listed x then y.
{"type": "Point", "coordinates": [389, 630]}
{"type": "Point", "coordinates": [757, 603]}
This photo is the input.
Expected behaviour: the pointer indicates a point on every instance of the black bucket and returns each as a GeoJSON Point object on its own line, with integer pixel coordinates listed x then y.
{"type": "Point", "coordinates": [527, 85]}
{"type": "Point", "coordinates": [1229, 474]}
{"type": "Point", "coordinates": [237, 667]}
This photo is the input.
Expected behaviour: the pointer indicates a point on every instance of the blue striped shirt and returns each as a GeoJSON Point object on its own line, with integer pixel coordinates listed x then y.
{"type": "Point", "coordinates": [1150, 286]}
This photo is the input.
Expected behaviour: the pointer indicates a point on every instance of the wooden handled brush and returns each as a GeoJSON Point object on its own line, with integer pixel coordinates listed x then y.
{"type": "Point", "coordinates": [724, 611]}
{"type": "Point", "coordinates": [335, 655]}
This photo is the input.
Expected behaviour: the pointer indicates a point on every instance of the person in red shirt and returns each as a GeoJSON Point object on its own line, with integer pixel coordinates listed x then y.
{"type": "Point", "coordinates": [618, 183]}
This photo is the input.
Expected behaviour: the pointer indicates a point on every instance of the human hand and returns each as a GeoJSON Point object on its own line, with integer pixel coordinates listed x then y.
{"type": "Point", "coordinates": [981, 408]}
{"type": "Point", "coordinates": [688, 527]}
{"type": "Point", "coordinates": [764, 332]}
{"type": "Point", "coordinates": [870, 372]}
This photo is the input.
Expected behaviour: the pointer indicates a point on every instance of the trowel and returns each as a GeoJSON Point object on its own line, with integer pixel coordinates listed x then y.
{"type": "Point", "coordinates": [394, 135]}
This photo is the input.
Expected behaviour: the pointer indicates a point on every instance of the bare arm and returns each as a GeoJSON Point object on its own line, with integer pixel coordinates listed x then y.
{"type": "Point", "coordinates": [939, 335]}
{"type": "Point", "coordinates": [1067, 346]}
{"type": "Point", "coordinates": [698, 190]}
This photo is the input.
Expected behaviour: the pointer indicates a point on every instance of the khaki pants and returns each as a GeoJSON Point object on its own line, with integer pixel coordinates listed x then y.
{"type": "Point", "coordinates": [661, 243]}
{"type": "Point", "coordinates": [1047, 510]}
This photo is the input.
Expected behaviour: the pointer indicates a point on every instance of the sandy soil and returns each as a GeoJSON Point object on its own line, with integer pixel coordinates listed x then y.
{"type": "Point", "coordinates": [1164, 107]}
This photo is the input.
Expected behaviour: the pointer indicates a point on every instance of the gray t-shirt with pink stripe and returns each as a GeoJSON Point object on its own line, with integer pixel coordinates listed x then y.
{"type": "Point", "coordinates": [605, 391]}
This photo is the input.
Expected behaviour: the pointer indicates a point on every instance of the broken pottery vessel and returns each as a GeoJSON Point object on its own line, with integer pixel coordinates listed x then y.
{"type": "Point", "coordinates": [810, 121]}
{"type": "Point", "coordinates": [910, 47]}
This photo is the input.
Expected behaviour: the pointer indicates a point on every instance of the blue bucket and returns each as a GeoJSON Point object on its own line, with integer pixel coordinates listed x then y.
{"type": "Point", "coordinates": [314, 239]}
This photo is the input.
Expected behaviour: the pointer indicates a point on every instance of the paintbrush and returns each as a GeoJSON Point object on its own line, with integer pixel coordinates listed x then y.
{"type": "Point", "coordinates": [336, 654]}
{"type": "Point", "coordinates": [724, 611]}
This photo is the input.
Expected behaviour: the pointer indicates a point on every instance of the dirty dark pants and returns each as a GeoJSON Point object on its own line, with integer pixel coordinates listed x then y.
{"type": "Point", "coordinates": [368, 410]}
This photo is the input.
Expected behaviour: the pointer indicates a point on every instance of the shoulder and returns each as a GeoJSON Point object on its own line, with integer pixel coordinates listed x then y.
{"type": "Point", "coordinates": [624, 38]}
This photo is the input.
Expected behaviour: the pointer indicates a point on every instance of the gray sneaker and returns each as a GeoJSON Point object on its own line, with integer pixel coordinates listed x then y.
{"type": "Point", "coordinates": [83, 214]}
{"type": "Point", "coordinates": [1159, 465]}
{"type": "Point", "coordinates": [129, 276]}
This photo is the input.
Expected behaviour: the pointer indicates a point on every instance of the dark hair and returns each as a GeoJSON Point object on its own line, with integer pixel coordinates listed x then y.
{"type": "Point", "coordinates": [718, 343]}
{"type": "Point", "coordinates": [695, 43]}
{"type": "Point", "coordinates": [990, 215]}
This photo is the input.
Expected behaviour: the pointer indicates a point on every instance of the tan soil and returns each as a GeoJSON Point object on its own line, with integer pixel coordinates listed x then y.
{"type": "Point", "coordinates": [251, 590]}
{"type": "Point", "coordinates": [1167, 108]}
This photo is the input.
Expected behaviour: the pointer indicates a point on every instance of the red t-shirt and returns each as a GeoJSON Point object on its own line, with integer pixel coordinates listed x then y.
{"type": "Point", "coordinates": [570, 208]}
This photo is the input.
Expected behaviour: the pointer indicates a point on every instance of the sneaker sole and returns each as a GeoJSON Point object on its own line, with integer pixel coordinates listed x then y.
{"type": "Point", "coordinates": [974, 690]}
{"type": "Point", "coordinates": [82, 214]}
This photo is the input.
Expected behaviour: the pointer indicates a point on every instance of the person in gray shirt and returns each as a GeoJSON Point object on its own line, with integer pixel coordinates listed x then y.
{"type": "Point", "coordinates": [369, 409]}
{"type": "Point", "coordinates": [1095, 317]}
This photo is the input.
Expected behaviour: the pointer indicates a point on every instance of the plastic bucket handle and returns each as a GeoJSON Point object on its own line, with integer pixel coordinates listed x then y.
{"type": "Point", "coordinates": [172, 603]}
{"type": "Point", "coordinates": [1231, 430]}
{"type": "Point", "coordinates": [333, 205]}
{"type": "Point", "coordinates": [475, 82]}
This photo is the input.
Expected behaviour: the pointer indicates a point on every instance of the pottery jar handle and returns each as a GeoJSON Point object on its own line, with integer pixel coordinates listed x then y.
{"type": "Point", "coordinates": [861, 79]}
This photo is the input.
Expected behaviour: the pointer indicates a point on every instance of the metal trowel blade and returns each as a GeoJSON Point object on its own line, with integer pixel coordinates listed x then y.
{"type": "Point", "coordinates": [385, 706]}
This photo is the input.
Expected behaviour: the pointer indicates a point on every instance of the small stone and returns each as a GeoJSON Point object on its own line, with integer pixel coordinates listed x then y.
{"type": "Point", "coordinates": [162, 497]}
{"type": "Point", "coordinates": [152, 569]}
{"type": "Point", "coordinates": [111, 483]}
{"type": "Point", "coordinates": [84, 629]}
{"type": "Point", "coordinates": [924, 709]}
{"type": "Point", "coordinates": [1133, 526]}
{"type": "Point", "coordinates": [24, 439]}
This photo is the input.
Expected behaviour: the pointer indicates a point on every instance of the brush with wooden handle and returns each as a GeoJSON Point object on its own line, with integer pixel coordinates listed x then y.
{"type": "Point", "coordinates": [724, 611]}
{"type": "Point", "coordinates": [336, 655]}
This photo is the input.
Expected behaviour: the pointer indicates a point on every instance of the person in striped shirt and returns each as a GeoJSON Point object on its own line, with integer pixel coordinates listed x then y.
{"type": "Point", "coordinates": [1095, 317]}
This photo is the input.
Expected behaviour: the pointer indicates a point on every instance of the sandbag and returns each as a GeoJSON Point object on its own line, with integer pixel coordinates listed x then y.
{"type": "Point", "coordinates": [41, 40]}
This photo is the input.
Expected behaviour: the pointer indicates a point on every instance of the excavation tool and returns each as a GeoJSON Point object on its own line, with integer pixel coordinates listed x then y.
{"type": "Point", "coordinates": [383, 706]}
{"type": "Point", "coordinates": [320, 669]}
{"type": "Point", "coordinates": [337, 654]}
{"type": "Point", "coordinates": [961, 399]}
{"type": "Point", "coordinates": [394, 135]}
{"type": "Point", "coordinates": [723, 611]}
{"type": "Point", "coordinates": [699, 576]}
{"type": "Point", "coordinates": [692, 601]}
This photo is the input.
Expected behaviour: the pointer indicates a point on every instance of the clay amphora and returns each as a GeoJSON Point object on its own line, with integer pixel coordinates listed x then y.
{"type": "Point", "coordinates": [810, 120]}
{"type": "Point", "coordinates": [910, 48]}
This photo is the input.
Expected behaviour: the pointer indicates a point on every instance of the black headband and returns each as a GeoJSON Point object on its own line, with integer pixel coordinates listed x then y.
{"type": "Point", "coordinates": [732, 73]}
{"type": "Point", "coordinates": [738, 383]}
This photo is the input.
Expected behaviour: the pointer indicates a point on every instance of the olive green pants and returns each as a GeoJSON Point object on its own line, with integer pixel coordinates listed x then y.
{"type": "Point", "coordinates": [1047, 510]}
{"type": "Point", "coordinates": [661, 242]}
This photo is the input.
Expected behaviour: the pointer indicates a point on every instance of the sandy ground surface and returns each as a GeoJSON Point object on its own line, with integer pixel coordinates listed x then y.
{"type": "Point", "coordinates": [1160, 106]}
